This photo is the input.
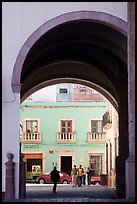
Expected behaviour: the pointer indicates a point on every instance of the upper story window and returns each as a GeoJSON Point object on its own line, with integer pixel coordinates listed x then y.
{"type": "Point", "coordinates": [95, 132]}
{"type": "Point", "coordinates": [66, 132]}
{"type": "Point", "coordinates": [31, 126]}
{"type": "Point", "coordinates": [96, 126]}
{"type": "Point", "coordinates": [63, 90]}
{"type": "Point", "coordinates": [82, 91]}
{"type": "Point", "coordinates": [66, 126]}
{"type": "Point", "coordinates": [31, 131]}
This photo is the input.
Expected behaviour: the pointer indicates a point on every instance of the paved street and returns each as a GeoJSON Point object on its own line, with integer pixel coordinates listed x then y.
{"type": "Point", "coordinates": [66, 193]}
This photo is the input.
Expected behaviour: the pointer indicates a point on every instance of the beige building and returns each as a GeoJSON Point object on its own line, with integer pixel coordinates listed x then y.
{"type": "Point", "coordinates": [110, 126]}
{"type": "Point", "coordinates": [83, 93]}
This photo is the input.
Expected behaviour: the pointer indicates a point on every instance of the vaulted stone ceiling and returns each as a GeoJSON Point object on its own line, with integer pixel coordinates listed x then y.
{"type": "Point", "coordinates": [82, 50]}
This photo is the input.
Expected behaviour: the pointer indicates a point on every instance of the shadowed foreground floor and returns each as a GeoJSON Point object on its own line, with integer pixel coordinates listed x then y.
{"type": "Point", "coordinates": [66, 193]}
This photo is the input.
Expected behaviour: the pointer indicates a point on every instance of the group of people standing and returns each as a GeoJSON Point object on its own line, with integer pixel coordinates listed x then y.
{"type": "Point", "coordinates": [80, 176]}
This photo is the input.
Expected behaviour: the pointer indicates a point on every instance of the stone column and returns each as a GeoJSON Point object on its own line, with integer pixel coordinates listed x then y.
{"type": "Point", "coordinates": [130, 162]}
{"type": "Point", "coordinates": [10, 178]}
{"type": "Point", "coordinates": [22, 182]}
{"type": "Point", "coordinates": [123, 146]}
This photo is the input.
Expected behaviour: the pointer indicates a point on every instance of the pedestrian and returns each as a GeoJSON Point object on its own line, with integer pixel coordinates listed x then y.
{"type": "Point", "coordinates": [89, 175]}
{"type": "Point", "coordinates": [80, 175]}
{"type": "Point", "coordinates": [74, 176]}
{"type": "Point", "coordinates": [54, 175]}
{"type": "Point", "coordinates": [84, 176]}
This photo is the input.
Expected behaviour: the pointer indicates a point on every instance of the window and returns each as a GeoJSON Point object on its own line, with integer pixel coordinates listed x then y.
{"type": "Point", "coordinates": [31, 131]}
{"type": "Point", "coordinates": [95, 132]}
{"type": "Point", "coordinates": [66, 131]}
{"type": "Point", "coordinates": [31, 126]}
{"type": "Point", "coordinates": [96, 165]}
{"type": "Point", "coordinates": [66, 126]}
{"type": "Point", "coordinates": [63, 90]}
{"type": "Point", "coordinates": [82, 91]}
{"type": "Point", "coordinates": [61, 175]}
{"type": "Point", "coordinates": [94, 91]}
{"type": "Point", "coordinates": [96, 126]}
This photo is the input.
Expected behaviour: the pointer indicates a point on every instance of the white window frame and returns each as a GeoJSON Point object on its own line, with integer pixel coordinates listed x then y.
{"type": "Point", "coordinates": [31, 119]}
{"type": "Point", "coordinates": [66, 119]}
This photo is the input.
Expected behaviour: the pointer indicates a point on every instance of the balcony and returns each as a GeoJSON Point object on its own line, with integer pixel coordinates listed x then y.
{"type": "Point", "coordinates": [107, 121]}
{"type": "Point", "coordinates": [96, 137]}
{"type": "Point", "coordinates": [69, 137]}
{"type": "Point", "coordinates": [31, 138]}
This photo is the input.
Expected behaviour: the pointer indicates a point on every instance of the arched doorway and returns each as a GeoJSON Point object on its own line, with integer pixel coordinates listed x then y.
{"type": "Point", "coordinates": [83, 46]}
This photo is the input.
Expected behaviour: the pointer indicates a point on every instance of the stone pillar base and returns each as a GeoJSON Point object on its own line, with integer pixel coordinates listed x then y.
{"type": "Point", "coordinates": [120, 177]}
{"type": "Point", "coordinates": [130, 177]}
{"type": "Point", "coordinates": [3, 195]}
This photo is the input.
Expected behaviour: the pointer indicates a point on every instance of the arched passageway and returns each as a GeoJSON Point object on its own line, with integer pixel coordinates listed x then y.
{"type": "Point", "coordinates": [89, 47]}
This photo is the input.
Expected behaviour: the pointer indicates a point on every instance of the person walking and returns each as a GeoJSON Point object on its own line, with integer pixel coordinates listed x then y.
{"type": "Point", "coordinates": [74, 176]}
{"type": "Point", "coordinates": [54, 175]}
{"type": "Point", "coordinates": [80, 175]}
{"type": "Point", "coordinates": [89, 176]}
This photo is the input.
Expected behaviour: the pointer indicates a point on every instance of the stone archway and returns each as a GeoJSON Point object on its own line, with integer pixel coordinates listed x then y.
{"type": "Point", "coordinates": [92, 16]}
{"type": "Point", "coordinates": [75, 41]}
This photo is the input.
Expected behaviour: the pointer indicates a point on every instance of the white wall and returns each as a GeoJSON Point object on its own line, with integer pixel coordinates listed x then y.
{"type": "Point", "coordinates": [10, 137]}
{"type": "Point", "coordinates": [19, 21]}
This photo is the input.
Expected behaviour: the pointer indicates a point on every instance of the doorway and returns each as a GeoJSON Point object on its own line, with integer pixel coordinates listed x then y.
{"type": "Point", "coordinates": [66, 164]}
{"type": "Point", "coordinates": [96, 165]}
{"type": "Point", "coordinates": [34, 166]}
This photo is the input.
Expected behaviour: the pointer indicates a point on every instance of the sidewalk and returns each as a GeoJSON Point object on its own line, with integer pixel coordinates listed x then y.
{"type": "Point", "coordinates": [69, 200]}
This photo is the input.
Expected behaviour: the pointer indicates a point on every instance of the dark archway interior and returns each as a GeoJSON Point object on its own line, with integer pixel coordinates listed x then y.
{"type": "Point", "coordinates": [89, 53]}
{"type": "Point", "coordinates": [80, 49]}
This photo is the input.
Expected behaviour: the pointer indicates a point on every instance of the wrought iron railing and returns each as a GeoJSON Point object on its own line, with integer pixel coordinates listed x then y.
{"type": "Point", "coordinates": [107, 120]}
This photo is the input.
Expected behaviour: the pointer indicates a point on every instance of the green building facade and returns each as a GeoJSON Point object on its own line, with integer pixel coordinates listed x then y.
{"type": "Point", "coordinates": [63, 134]}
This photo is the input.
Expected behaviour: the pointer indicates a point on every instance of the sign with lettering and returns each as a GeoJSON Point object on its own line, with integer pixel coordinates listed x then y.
{"type": "Point", "coordinates": [30, 146]}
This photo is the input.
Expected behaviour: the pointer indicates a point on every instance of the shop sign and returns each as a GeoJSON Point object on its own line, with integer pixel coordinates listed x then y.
{"type": "Point", "coordinates": [28, 146]}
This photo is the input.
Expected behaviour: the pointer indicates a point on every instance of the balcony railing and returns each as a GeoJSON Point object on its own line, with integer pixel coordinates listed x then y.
{"type": "Point", "coordinates": [107, 120]}
{"type": "Point", "coordinates": [69, 137]}
{"type": "Point", "coordinates": [31, 138]}
{"type": "Point", "coordinates": [96, 137]}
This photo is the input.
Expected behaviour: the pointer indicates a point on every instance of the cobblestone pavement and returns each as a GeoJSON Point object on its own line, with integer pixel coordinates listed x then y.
{"type": "Point", "coordinates": [43, 193]}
